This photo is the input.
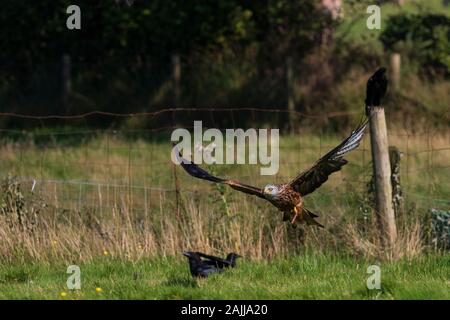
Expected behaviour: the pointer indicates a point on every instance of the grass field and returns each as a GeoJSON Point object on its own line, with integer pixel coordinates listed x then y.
{"type": "Point", "coordinates": [99, 190]}
{"type": "Point", "coordinates": [107, 204]}
{"type": "Point", "coordinates": [307, 276]}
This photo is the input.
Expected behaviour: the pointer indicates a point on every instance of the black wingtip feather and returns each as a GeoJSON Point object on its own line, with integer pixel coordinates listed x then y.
{"type": "Point", "coordinates": [193, 169]}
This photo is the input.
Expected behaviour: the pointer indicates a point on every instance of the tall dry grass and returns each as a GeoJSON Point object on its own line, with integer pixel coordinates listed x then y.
{"type": "Point", "coordinates": [130, 209]}
{"type": "Point", "coordinates": [410, 241]}
{"type": "Point", "coordinates": [83, 235]}
{"type": "Point", "coordinates": [71, 235]}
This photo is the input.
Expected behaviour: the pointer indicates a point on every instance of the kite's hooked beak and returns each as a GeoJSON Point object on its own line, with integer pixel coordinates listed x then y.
{"type": "Point", "coordinates": [270, 190]}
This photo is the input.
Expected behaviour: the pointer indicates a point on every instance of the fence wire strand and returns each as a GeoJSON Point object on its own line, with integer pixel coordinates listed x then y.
{"type": "Point", "coordinates": [137, 169]}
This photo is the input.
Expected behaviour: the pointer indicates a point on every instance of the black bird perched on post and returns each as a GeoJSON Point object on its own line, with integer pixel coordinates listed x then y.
{"type": "Point", "coordinates": [198, 267]}
{"type": "Point", "coordinates": [376, 89]}
{"type": "Point", "coordinates": [229, 261]}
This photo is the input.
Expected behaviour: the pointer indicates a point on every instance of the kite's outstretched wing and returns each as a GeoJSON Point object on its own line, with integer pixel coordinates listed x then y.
{"type": "Point", "coordinates": [309, 180]}
{"type": "Point", "coordinates": [200, 173]}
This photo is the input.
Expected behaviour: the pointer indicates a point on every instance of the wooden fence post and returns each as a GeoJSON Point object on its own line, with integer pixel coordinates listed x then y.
{"type": "Point", "coordinates": [66, 70]}
{"type": "Point", "coordinates": [397, 194]}
{"type": "Point", "coordinates": [177, 192]}
{"type": "Point", "coordinates": [176, 76]}
{"type": "Point", "coordinates": [290, 93]}
{"type": "Point", "coordinates": [395, 70]}
{"type": "Point", "coordinates": [382, 173]}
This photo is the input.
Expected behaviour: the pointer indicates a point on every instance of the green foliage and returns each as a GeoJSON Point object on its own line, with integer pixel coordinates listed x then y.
{"type": "Point", "coordinates": [424, 36]}
{"type": "Point", "coordinates": [19, 212]}
{"type": "Point", "coordinates": [126, 50]}
{"type": "Point", "coordinates": [155, 28]}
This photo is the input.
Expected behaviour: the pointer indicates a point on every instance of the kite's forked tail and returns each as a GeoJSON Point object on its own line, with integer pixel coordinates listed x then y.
{"type": "Point", "coordinates": [310, 218]}
{"type": "Point", "coordinates": [302, 215]}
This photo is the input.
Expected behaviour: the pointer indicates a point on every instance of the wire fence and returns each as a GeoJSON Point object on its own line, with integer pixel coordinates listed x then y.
{"type": "Point", "coordinates": [78, 167]}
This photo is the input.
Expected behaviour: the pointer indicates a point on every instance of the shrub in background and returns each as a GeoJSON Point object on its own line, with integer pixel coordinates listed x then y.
{"type": "Point", "coordinates": [425, 37]}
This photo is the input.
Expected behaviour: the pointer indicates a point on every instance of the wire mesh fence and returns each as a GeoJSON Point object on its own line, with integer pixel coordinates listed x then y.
{"type": "Point", "coordinates": [78, 167]}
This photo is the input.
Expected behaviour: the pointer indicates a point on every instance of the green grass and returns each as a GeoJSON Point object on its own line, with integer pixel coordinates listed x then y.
{"type": "Point", "coordinates": [138, 229]}
{"type": "Point", "coordinates": [109, 193]}
{"type": "Point", "coordinates": [307, 276]}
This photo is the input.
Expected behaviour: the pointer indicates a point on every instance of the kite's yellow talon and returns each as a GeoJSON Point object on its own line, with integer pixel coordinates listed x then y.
{"type": "Point", "coordinates": [295, 216]}
{"type": "Point", "coordinates": [293, 220]}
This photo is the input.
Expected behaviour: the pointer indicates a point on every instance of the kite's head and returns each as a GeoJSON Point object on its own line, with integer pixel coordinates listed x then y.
{"type": "Point", "coordinates": [271, 190]}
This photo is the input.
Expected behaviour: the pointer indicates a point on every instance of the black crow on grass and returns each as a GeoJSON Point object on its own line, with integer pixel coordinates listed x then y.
{"type": "Point", "coordinates": [198, 267]}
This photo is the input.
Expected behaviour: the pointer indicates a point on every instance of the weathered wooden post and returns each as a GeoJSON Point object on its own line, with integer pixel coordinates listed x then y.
{"type": "Point", "coordinates": [376, 89]}
{"type": "Point", "coordinates": [176, 79]}
{"type": "Point", "coordinates": [177, 192]}
{"type": "Point", "coordinates": [397, 194]}
{"type": "Point", "coordinates": [176, 76]}
{"type": "Point", "coordinates": [395, 70]}
{"type": "Point", "coordinates": [290, 93]}
{"type": "Point", "coordinates": [382, 173]}
{"type": "Point", "coordinates": [66, 82]}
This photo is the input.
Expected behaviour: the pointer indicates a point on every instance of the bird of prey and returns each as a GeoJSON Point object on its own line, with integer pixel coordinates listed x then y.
{"type": "Point", "coordinates": [288, 197]}
{"type": "Point", "coordinates": [376, 89]}
{"type": "Point", "coordinates": [229, 261]}
{"type": "Point", "coordinates": [198, 267]}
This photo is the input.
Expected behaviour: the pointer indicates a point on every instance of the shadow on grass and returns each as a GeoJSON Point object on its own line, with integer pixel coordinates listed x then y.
{"type": "Point", "coordinates": [182, 282]}
{"type": "Point", "coordinates": [386, 292]}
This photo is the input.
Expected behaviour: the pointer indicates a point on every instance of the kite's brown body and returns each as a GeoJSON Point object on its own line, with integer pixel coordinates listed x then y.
{"type": "Point", "coordinates": [288, 197]}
